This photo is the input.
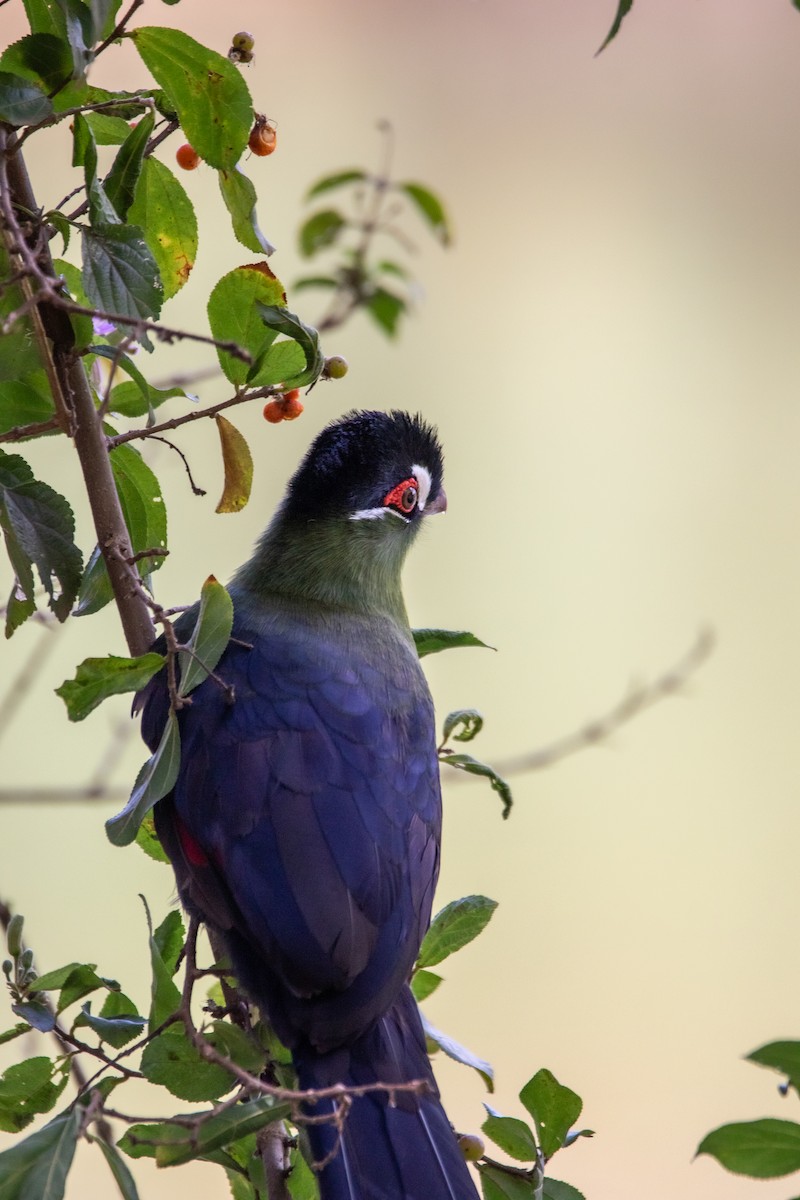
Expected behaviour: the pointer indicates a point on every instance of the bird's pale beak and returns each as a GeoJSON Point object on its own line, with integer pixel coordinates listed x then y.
{"type": "Point", "coordinates": [439, 505]}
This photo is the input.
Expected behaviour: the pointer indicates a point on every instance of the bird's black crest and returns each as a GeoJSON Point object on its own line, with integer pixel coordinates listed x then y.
{"type": "Point", "coordinates": [356, 460]}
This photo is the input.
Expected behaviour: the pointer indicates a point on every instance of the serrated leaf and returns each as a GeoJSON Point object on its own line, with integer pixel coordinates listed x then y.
{"type": "Point", "coordinates": [511, 1135]}
{"type": "Point", "coordinates": [38, 527]}
{"type": "Point", "coordinates": [45, 16]}
{"type": "Point", "coordinates": [497, 1184]}
{"type": "Point", "coordinates": [98, 678]}
{"type": "Point", "coordinates": [171, 1061]}
{"type": "Point", "coordinates": [328, 182]}
{"type": "Point", "coordinates": [764, 1149]}
{"type": "Point", "coordinates": [147, 840]}
{"type": "Point", "coordinates": [554, 1109]}
{"type": "Point", "coordinates": [209, 637]}
{"type": "Point", "coordinates": [120, 1170]}
{"type": "Point", "coordinates": [780, 1056]}
{"type": "Point", "coordinates": [473, 766]}
{"type": "Point", "coordinates": [81, 981]}
{"type": "Point", "coordinates": [163, 210]}
{"type": "Point", "coordinates": [120, 274]}
{"type": "Point", "coordinates": [41, 57]}
{"type": "Point", "coordinates": [623, 8]}
{"type": "Point", "coordinates": [22, 102]}
{"type": "Point", "coordinates": [172, 1144]}
{"type": "Point", "coordinates": [233, 316]}
{"type": "Point", "coordinates": [430, 207]}
{"type": "Point", "coordinates": [385, 308]}
{"type": "Point", "coordinates": [239, 195]}
{"type": "Point", "coordinates": [432, 641]}
{"type": "Point", "coordinates": [320, 230]}
{"type": "Point", "coordinates": [146, 520]}
{"type": "Point", "coordinates": [234, 1043]}
{"type": "Point", "coordinates": [208, 92]}
{"type": "Point", "coordinates": [27, 1089]}
{"type": "Point", "coordinates": [459, 1053]}
{"type": "Point", "coordinates": [424, 984]}
{"type": "Point", "coordinates": [238, 465]}
{"type": "Point", "coordinates": [554, 1189]}
{"type": "Point", "coordinates": [25, 402]}
{"type": "Point", "coordinates": [155, 779]}
{"type": "Point", "coordinates": [169, 939]}
{"type": "Point", "coordinates": [283, 363]}
{"type": "Point", "coordinates": [116, 1031]}
{"type": "Point", "coordinates": [39, 1165]}
{"type": "Point", "coordinates": [468, 720]}
{"type": "Point", "coordinates": [37, 1013]}
{"type": "Point", "coordinates": [280, 320]}
{"type": "Point", "coordinates": [122, 180]}
{"type": "Point", "coordinates": [455, 926]}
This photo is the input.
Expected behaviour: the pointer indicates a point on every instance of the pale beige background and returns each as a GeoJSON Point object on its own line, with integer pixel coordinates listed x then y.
{"type": "Point", "coordinates": [611, 353]}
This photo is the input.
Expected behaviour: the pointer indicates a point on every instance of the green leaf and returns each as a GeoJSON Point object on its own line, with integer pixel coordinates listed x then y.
{"type": "Point", "coordinates": [233, 317]}
{"type": "Point", "coordinates": [108, 130]}
{"type": "Point", "coordinates": [312, 281]}
{"type": "Point", "coordinates": [41, 57]}
{"type": "Point", "coordinates": [208, 92]}
{"type": "Point", "coordinates": [302, 1183]}
{"type": "Point", "coordinates": [470, 720]}
{"type": "Point", "coordinates": [763, 1149]}
{"type": "Point", "coordinates": [511, 1135]}
{"type": "Point", "coordinates": [171, 1061]}
{"type": "Point", "coordinates": [235, 1044]}
{"type": "Point", "coordinates": [431, 641]}
{"type": "Point", "coordinates": [430, 207]}
{"type": "Point", "coordinates": [554, 1109]}
{"type": "Point", "coordinates": [385, 308]}
{"type": "Point", "coordinates": [473, 766]}
{"type": "Point", "coordinates": [25, 402]}
{"type": "Point", "coordinates": [455, 926]}
{"type": "Point", "coordinates": [623, 8]}
{"type": "Point", "coordinates": [238, 465]}
{"type": "Point", "coordinates": [81, 981]}
{"type": "Point", "coordinates": [81, 324]}
{"type": "Point", "coordinates": [155, 779]}
{"type": "Point", "coordinates": [283, 363]}
{"type": "Point", "coordinates": [116, 1031]}
{"type": "Point", "coordinates": [53, 981]}
{"type": "Point", "coordinates": [128, 401]}
{"type": "Point", "coordinates": [123, 178]}
{"type": "Point", "coordinates": [239, 195]}
{"type": "Point", "coordinates": [120, 1170]}
{"type": "Point", "coordinates": [497, 1184]}
{"type": "Point", "coordinates": [163, 210]}
{"type": "Point", "coordinates": [38, 527]}
{"type": "Point", "coordinates": [280, 320]}
{"type": "Point", "coordinates": [147, 840]}
{"type": "Point", "coordinates": [98, 678]}
{"type": "Point", "coordinates": [120, 274]}
{"type": "Point", "coordinates": [9, 1035]}
{"type": "Point", "coordinates": [209, 637]}
{"type": "Point", "coordinates": [554, 1189]}
{"type": "Point", "coordinates": [424, 984]}
{"type": "Point", "coordinates": [172, 1145]}
{"type": "Point", "coordinates": [21, 101]}
{"type": "Point", "coordinates": [28, 1088]}
{"type": "Point", "coordinates": [334, 181]}
{"type": "Point", "coordinates": [145, 517]}
{"type": "Point", "coordinates": [320, 230]}
{"type": "Point", "coordinates": [169, 939]}
{"type": "Point", "coordinates": [45, 16]}
{"type": "Point", "coordinates": [165, 997]}
{"type": "Point", "coordinates": [38, 1166]}
{"type": "Point", "coordinates": [780, 1056]}
{"type": "Point", "coordinates": [459, 1053]}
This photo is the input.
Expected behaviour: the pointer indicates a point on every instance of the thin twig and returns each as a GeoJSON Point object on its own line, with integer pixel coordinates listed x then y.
{"type": "Point", "coordinates": [134, 435]}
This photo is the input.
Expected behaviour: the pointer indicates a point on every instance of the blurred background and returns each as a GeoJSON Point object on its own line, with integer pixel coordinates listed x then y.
{"type": "Point", "coordinates": [610, 352]}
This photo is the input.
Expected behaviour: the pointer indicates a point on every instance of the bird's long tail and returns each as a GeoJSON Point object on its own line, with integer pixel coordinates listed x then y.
{"type": "Point", "coordinates": [396, 1146]}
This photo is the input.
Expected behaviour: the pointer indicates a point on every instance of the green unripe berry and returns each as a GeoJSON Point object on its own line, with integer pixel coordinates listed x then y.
{"type": "Point", "coordinates": [335, 367]}
{"type": "Point", "coordinates": [26, 959]}
{"type": "Point", "coordinates": [8, 967]}
{"type": "Point", "coordinates": [472, 1147]}
{"type": "Point", "coordinates": [243, 41]}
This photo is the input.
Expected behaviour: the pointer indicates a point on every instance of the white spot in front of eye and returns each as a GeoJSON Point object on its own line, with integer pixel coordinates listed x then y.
{"type": "Point", "coordinates": [423, 478]}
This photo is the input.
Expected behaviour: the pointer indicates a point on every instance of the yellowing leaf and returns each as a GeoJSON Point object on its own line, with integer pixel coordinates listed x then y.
{"type": "Point", "coordinates": [238, 463]}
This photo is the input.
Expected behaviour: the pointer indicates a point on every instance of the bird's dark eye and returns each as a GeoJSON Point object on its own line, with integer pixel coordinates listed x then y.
{"type": "Point", "coordinates": [403, 498]}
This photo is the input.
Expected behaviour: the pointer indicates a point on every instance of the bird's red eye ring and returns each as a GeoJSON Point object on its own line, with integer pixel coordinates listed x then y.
{"type": "Point", "coordinates": [403, 497]}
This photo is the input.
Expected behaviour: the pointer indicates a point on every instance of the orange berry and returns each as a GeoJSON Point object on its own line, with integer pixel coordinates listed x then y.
{"type": "Point", "coordinates": [263, 137]}
{"type": "Point", "coordinates": [187, 157]}
{"type": "Point", "coordinates": [291, 407]}
{"type": "Point", "coordinates": [273, 412]}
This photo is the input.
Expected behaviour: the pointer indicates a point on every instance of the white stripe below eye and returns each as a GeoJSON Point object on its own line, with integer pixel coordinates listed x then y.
{"type": "Point", "coordinates": [423, 478]}
{"type": "Point", "coordinates": [374, 514]}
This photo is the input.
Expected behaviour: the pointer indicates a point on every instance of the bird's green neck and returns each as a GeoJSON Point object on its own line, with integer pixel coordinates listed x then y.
{"type": "Point", "coordinates": [337, 564]}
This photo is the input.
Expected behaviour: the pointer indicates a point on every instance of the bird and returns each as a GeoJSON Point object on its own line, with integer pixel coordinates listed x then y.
{"type": "Point", "coordinates": [304, 826]}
